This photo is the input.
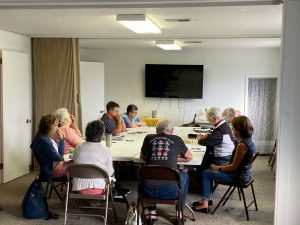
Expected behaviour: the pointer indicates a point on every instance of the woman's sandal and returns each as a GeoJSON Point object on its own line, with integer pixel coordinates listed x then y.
{"type": "Point", "coordinates": [210, 202]}
{"type": "Point", "coordinates": [203, 210]}
{"type": "Point", "coordinates": [151, 219]}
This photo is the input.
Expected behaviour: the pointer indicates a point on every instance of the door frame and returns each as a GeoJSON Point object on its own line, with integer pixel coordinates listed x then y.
{"type": "Point", "coordinates": [1, 122]}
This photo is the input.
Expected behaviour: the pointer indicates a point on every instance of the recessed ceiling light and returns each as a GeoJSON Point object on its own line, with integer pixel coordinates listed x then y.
{"type": "Point", "coordinates": [138, 23]}
{"type": "Point", "coordinates": [168, 45]}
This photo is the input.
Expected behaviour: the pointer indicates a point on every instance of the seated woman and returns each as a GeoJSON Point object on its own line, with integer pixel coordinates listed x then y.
{"type": "Point", "coordinates": [67, 124]}
{"type": "Point", "coordinates": [242, 130]}
{"type": "Point", "coordinates": [164, 149]}
{"type": "Point", "coordinates": [93, 152]}
{"type": "Point", "coordinates": [130, 118]}
{"type": "Point", "coordinates": [45, 149]}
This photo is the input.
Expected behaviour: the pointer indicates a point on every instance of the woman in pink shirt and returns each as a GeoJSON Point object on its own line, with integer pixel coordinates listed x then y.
{"type": "Point", "coordinates": [67, 124]}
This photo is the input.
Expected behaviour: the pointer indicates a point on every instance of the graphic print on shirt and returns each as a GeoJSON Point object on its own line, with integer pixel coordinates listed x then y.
{"type": "Point", "coordinates": [160, 148]}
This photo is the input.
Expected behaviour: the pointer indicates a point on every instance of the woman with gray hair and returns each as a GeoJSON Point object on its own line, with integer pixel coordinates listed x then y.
{"type": "Point", "coordinates": [67, 124]}
{"type": "Point", "coordinates": [229, 114]}
{"type": "Point", "coordinates": [93, 152]}
{"type": "Point", "coordinates": [164, 149]}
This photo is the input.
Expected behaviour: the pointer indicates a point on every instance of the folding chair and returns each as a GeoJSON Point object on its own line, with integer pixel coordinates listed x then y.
{"type": "Point", "coordinates": [272, 157]}
{"type": "Point", "coordinates": [88, 171]}
{"type": "Point", "coordinates": [54, 183]}
{"type": "Point", "coordinates": [158, 173]}
{"type": "Point", "coordinates": [240, 186]}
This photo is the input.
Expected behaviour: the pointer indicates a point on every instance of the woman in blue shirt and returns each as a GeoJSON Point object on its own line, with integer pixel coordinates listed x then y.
{"type": "Point", "coordinates": [48, 153]}
{"type": "Point", "coordinates": [130, 118]}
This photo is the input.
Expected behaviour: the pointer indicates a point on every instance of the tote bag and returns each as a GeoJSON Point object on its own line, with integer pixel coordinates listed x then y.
{"type": "Point", "coordinates": [34, 204]}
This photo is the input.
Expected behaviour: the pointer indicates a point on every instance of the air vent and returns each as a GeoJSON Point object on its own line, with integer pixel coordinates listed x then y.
{"type": "Point", "coordinates": [178, 20]}
{"type": "Point", "coordinates": [193, 42]}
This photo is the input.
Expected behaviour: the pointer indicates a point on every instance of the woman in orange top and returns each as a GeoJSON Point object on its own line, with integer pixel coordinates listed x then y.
{"type": "Point", "coordinates": [67, 124]}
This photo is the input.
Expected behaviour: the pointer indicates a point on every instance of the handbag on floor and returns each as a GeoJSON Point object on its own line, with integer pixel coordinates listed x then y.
{"type": "Point", "coordinates": [132, 215]}
{"type": "Point", "coordinates": [34, 204]}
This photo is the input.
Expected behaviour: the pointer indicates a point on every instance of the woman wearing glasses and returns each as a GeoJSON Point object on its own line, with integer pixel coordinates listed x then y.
{"type": "Point", "coordinates": [131, 119]}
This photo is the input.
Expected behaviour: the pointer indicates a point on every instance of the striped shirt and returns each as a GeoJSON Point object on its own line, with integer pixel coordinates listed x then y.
{"type": "Point", "coordinates": [92, 153]}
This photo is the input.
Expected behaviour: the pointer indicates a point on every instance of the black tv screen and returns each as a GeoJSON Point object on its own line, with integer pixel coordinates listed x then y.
{"type": "Point", "coordinates": [174, 81]}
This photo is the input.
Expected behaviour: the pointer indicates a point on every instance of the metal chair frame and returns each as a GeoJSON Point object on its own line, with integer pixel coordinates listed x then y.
{"type": "Point", "coordinates": [240, 186]}
{"type": "Point", "coordinates": [89, 171]}
{"type": "Point", "coordinates": [158, 173]}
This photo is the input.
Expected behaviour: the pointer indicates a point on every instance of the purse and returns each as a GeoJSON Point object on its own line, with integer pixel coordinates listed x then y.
{"type": "Point", "coordinates": [132, 215]}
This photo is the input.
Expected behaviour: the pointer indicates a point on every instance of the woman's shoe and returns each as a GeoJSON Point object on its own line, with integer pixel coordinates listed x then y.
{"type": "Point", "coordinates": [151, 218]}
{"type": "Point", "coordinates": [150, 221]}
{"type": "Point", "coordinates": [179, 222]}
{"type": "Point", "coordinates": [203, 210]}
{"type": "Point", "coordinates": [210, 202]}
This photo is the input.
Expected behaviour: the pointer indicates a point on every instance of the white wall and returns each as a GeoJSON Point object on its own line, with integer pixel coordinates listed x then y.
{"type": "Point", "coordinates": [14, 42]}
{"type": "Point", "coordinates": [224, 76]}
{"type": "Point", "coordinates": [287, 172]}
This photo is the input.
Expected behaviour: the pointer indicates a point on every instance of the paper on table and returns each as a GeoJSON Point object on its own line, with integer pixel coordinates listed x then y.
{"type": "Point", "coordinates": [198, 149]}
{"type": "Point", "coordinates": [143, 129]}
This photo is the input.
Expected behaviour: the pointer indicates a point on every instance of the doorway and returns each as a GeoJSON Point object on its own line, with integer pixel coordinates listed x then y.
{"type": "Point", "coordinates": [1, 123]}
{"type": "Point", "coordinates": [261, 107]}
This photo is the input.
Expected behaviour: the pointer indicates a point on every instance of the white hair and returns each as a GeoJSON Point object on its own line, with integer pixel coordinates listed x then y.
{"type": "Point", "coordinates": [214, 113]}
{"type": "Point", "coordinates": [229, 111]}
{"type": "Point", "coordinates": [62, 115]}
{"type": "Point", "coordinates": [164, 126]}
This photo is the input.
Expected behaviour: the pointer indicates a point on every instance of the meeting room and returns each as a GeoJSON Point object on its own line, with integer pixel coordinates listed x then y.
{"type": "Point", "coordinates": [193, 121]}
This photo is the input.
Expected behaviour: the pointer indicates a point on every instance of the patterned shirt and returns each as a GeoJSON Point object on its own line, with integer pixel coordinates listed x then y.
{"type": "Point", "coordinates": [163, 149]}
{"type": "Point", "coordinates": [109, 124]}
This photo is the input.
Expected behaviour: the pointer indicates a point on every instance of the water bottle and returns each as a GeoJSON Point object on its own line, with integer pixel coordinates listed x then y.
{"type": "Point", "coordinates": [108, 139]}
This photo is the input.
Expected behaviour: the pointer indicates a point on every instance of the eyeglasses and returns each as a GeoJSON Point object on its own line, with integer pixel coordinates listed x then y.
{"type": "Point", "coordinates": [134, 112]}
{"type": "Point", "coordinates": [115, 110]}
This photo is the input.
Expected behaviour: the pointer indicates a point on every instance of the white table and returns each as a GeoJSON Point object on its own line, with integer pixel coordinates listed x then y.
{"type": "Point", "coordinates": [129, 148]}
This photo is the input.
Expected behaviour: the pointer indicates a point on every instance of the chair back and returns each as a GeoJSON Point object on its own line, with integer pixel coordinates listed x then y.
{"type": "Point", "coordinates": [252, 158]}
{"type": "Point", "coordinates": [158, 173]}
{"type": "Point", "coordinates": [86, 171]}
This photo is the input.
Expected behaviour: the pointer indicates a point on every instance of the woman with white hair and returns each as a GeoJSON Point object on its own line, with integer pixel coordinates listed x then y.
{"type": "Point", "coordinates": [67, 124]}
{"type": "Point", "coordinates": [220, 143]}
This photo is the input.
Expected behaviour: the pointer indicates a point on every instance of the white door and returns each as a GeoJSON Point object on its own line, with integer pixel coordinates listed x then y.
{"type": "Point", "coordinates": [91, 91]}
{"type": "Point", "coordinates": [16, 115]}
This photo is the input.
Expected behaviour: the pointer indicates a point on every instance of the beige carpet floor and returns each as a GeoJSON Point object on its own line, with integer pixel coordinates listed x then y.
{"type": "Point", "coordinates": [233, 213]}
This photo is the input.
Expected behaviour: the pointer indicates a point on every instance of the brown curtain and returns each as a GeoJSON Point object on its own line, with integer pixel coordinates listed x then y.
{"type": "Point", "coordinates": [55, 77]}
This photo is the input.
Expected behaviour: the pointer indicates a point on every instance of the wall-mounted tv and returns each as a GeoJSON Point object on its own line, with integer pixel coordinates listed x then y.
{"type": "Point", "coordinates": [174, 81]}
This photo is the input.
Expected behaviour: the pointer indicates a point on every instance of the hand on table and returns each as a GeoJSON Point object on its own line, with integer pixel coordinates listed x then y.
{"type": "Point", "coordinates": [201, 136]}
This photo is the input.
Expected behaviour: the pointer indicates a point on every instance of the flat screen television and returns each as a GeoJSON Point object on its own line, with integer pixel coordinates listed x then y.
{"type": "Point", "coordinates": [174, 81]}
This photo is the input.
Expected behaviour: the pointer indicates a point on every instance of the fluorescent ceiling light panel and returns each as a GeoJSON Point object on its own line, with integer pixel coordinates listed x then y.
{"type": "Point", "coordinates": [138, 23]}
{"type": "Point", "coordinates": [168, 45]}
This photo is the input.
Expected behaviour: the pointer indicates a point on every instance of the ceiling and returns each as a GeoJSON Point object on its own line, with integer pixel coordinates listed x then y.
{"type": "Point", "coordinates": [212, 23]}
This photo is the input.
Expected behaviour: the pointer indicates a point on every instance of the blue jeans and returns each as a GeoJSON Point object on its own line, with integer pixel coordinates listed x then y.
{"type": "Point", "coordinates": [168, 191]}
{"type": "Point", "coordinates": [222, 160]}
{"type": "Point", "coordinates": [207, 180]}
